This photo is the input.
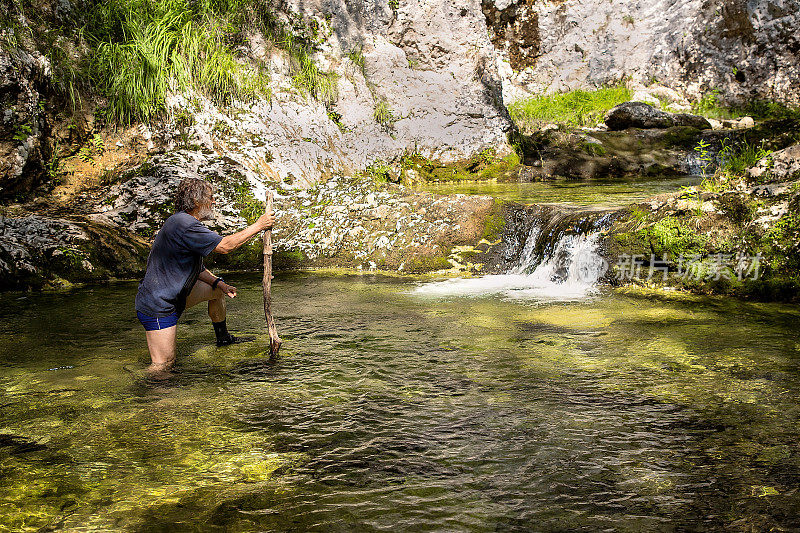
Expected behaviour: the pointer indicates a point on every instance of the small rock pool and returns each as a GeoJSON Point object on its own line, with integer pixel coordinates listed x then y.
{"type": "Point", "coordinates": [394, 409]}
{"type": "Point", "coordinates": [606, 194]}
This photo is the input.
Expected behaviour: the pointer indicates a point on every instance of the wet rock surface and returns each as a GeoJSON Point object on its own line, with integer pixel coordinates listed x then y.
{"type": "Point", "coordinates": [597, 154]}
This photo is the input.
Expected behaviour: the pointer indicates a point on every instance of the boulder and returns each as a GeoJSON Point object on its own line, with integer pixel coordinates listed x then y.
{"type": "Point", "coordinates": [642, 115]}
{"type": "Point", "coordinates": [692, 121]}
{"type": "Point", "coordinates": [783, 165]}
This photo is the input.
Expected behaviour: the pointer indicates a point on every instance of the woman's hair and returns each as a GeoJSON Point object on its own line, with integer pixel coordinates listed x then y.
{"type": "Point", "coordinates": [191, 193]}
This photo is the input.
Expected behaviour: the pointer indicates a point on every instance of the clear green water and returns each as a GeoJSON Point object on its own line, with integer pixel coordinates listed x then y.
{"type": "Point", "coordinates": [390, 411]}
{"type": "Point", "coordinates": [599, 193]}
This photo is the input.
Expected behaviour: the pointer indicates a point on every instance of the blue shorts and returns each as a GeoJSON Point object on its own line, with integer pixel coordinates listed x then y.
{"type": "Point", "coordinates": [151, 323]}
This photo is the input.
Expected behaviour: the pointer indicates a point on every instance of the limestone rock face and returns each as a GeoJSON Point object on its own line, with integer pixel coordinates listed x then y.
{"type": "Point", "coordinates": [421, 78]}
{"type": "Point", "coordinates": [746, 49]}
{"type": "Point", "coordinates": [641, 115]}
{"type": "Point", "coordinates": [144, 199]}
{"type": "Point", "coordinates": [24, 128]}
{"type": "Point", "coordinates": [37, 250]}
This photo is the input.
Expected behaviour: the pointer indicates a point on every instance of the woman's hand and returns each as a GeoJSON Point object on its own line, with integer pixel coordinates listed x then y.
{"type": "Point", "coordinates": [227, 290]}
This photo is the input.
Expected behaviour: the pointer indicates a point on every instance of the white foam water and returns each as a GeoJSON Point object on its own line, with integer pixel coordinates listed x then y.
{"type": "Point", "coordinates": [571, 272]}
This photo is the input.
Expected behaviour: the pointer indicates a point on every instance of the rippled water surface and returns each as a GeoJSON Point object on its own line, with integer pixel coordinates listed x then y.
{"type": "Point", "coordinates": [595, 193]}
{"type": "Point", "coordinates": [395, 409]}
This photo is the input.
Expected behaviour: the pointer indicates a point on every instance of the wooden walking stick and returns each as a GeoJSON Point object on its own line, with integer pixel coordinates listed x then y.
{"type": "Point", "coordinates": [274, 340]}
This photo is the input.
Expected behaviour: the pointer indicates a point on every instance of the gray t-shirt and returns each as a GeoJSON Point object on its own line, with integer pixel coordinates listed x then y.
{"type": "Point", "coordinates": [174, 263]}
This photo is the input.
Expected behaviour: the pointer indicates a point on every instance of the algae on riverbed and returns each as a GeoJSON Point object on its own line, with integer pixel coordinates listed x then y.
{"type": "Point", "coordinates": [389, 407]}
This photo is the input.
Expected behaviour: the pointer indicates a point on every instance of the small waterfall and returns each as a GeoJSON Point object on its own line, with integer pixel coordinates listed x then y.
{"type": "Point", "coordinates": [558, 260]}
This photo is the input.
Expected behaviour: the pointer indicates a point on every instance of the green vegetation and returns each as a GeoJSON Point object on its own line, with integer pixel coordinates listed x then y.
{"type": "Point", "coordinates": [288, 260]}
{"type": "Point", "coordinates": [704, 155]}
{"type": "Point", "coordinates": [308, 77]}
{"type": "Point", "coordinates": [143, 49]}
{"type": "Point", "coordinates": [249, 207]}
{"type": "Point", "coordinates": [379, 172]}
{"type": "Point", "coordinates": [736, 159]}
{"type": "Point", "coordinates": [91, 149]}
{"type": "Point", "coordinates": [383, 114]}
{"type": "Point", "coordinates": [421, 264]}
{"type": "Point", "coordinates": [139, 51]}
{"type": "Point", "coordinates": [710, 105]}
{"type": "Point", "coordinates": [356, 55]}
{"type": "Point", "coordinates": [782, 242]}
{"type": "Point", "coordinates": [485, 165]}
{"type": "Point", "coordinates": [336, 118]}
{"type": "Point", "coordinates": [672, 236]}
{"type": "Point", "coordinates": [575, 108]}
{"type": "Point", "coordinates": [495, 223]}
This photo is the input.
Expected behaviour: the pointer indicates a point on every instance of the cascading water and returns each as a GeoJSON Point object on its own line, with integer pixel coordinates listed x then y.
{"type": "Point", "coordinates": [561, 264]}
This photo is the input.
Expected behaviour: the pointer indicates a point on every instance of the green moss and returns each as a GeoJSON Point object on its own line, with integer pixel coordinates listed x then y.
{"type": "Point", "coordinates": [672, 236]}
{"type": "Point", "coordinates": [500, 168]}
{"type": "Point", "coordinates": [782, 245]}
{"type": "Point", "coordinates": [494, 224]}
{"type": "Point", "coordinates": [484, 165]}
{"type": "Point", "coordinates": [423, 264]}
{"type": "Point", "coordinates": [249, 256]}
{"type": "Point", "coordinates": [681, 137]}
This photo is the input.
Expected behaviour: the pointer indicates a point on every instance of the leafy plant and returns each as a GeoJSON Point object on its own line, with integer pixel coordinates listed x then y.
{"type": "Point", "coordinates": [23, 132]}
{"type": "Point", "coordinates": [53, 166]}
{"type": "Point", "coordinates": [336, 118]}
{"type": "Point", "coordinates": [378, 171]}
{"type": "Point", "coordinates": [704, 155]}
{"type": "Point", "coordinates": [323, 86]}
{"type": "Point", "coordinates": [594, 149]}
{"type": "Point", "coordinates": [145, 49]}
{"type": "Point", "coordinates": [94, 147]}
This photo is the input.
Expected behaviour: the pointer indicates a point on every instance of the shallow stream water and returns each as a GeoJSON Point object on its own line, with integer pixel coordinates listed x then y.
{"type": "Point", "coordinates": [606, 194]}
{"type": "Point", "coordinates": [397, 408]}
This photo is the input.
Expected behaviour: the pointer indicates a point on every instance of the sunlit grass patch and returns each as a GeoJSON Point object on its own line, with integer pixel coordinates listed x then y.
{"type": "Point", "coordinates": [146, 49]}
{"type": "Point", "coordinates": [574, 108]}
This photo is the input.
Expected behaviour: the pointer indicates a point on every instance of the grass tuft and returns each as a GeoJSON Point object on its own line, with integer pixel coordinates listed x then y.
{"type": "Point", "coordinates": [147, 49]}
{"type": "Point", "coordinates": [383, 114]}
{"type": "Point", "coordinates": [575, 108]}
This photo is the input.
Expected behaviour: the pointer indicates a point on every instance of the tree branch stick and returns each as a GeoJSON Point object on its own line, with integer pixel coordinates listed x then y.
{"type": "Point", "coordinates": [274, 340]}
